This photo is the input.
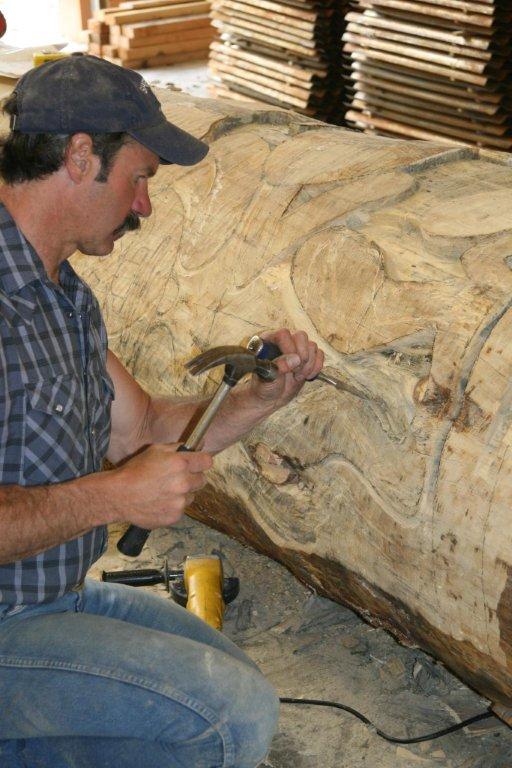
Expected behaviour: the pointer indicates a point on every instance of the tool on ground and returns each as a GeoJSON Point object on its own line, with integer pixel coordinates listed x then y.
{"type": "Point", "coordinates": [266, 350]}
{"type": "Point", "coordinates": [238, 362]}
{"type": "Point", "coordinates": [200, 586]}
{"type": "Point", "coordinates": [41, 57]}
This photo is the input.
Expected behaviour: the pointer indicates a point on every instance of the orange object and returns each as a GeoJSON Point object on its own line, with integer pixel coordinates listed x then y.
{"type": "Point", "coordinates": [203, 582]}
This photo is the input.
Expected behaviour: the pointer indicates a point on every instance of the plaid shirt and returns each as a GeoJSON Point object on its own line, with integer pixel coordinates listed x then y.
{"type": "Point", "coordinates": [55, 396]}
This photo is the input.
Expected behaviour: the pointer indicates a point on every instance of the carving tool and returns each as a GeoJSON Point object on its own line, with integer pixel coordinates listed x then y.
{"type": "Point", "coordinates": [266, 350]}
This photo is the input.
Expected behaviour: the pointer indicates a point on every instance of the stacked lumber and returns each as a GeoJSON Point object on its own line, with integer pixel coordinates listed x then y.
{"type": "Point", "coordinates": [432, 69]}
{"type": "Point", "coordinates": [151, 33]}
{"type": "Point", "coordinates": [283, 52]}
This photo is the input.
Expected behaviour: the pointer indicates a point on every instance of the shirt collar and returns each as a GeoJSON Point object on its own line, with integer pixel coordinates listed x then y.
{"type": "Point", "coordinates": [19, 263]}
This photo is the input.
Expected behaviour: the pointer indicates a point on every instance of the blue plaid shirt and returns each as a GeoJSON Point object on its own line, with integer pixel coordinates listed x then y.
{"type": "Point", "coordinates": [55, 396]}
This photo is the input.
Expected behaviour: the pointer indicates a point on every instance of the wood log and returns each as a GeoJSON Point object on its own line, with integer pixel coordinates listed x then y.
{"type": "Point", "coordinates": [396, 258]}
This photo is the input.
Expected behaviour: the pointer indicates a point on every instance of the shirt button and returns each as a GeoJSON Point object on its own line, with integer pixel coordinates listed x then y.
{"type": "Point", "coordinates": [70, 314]}
{"type": "Point", "coordinates": [93, 432]}
{"type": "Point", "coordinates": [59, 408]}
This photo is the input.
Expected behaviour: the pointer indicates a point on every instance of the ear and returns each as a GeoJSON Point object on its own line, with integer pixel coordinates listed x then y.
{"type": "Point", "coordinates": [80, 161]}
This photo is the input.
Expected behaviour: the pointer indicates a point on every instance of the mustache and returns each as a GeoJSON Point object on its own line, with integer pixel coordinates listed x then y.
{"type": "Point", "coordinates": [131, 223]}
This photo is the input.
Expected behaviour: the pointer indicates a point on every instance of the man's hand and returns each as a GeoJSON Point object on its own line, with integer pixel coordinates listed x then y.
{"type": "Point", "coordinates": [154, 487]}
{"type": "Point", "coordinates": [301, 360]}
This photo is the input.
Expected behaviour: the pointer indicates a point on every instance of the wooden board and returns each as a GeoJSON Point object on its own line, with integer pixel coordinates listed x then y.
{"type": "Point", "coordinates": [162, 60]}
{"type": "Point", "coordinates": [160, 27]}
{"type": "Point", "coordinates": [160, 12]}
{"type": "Point", "coordinates": [140, 45]}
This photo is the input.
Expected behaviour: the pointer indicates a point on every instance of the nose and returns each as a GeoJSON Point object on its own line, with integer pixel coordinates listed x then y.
{"type": "Point", "coordinates": [142, 203]}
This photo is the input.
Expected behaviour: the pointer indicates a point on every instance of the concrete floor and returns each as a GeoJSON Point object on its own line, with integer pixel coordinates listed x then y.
{"type": "Point", "coordinates": [191, 77]}
{"type": "Point", "coordinates": [310, 647]}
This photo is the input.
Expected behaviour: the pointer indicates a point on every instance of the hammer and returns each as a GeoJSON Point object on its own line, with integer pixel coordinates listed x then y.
{"type": "Point", "coordinates": [238, 362]}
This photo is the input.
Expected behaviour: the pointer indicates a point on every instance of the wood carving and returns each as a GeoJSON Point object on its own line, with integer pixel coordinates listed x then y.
{"type": "Point", "coordinates": [396, 258]}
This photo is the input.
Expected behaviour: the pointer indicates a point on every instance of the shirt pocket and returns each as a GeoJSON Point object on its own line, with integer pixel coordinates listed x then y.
{"type": "Point", "coordinates": [55, 443]}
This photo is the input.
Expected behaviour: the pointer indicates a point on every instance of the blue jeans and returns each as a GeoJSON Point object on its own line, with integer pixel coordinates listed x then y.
{"type": "Point", "coordinates": [113, 677]}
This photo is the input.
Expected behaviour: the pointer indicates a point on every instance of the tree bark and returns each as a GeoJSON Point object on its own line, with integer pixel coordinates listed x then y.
{"type": "Point", "coordinates": [396, 258]}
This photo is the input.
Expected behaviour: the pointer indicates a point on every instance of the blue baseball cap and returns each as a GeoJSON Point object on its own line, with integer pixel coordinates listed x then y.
{"type": "Point", "coordinates": [85, 93]}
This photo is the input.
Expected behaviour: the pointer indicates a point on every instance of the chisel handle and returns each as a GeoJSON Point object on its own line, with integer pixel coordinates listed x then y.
{"type": "Point", "coordinates": [265, 350]}
{"type": "Point", "coordinates": [134, 538]}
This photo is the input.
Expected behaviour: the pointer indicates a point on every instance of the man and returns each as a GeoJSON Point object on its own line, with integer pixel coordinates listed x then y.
{"type": "Point", "coordinates": [92, 674]}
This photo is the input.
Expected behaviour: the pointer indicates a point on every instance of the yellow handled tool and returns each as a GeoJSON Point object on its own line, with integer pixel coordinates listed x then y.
{"type": "Point", "coordinates": [41, 57]}
{"type": "Point", "coordinates": [199, 586]}
{"type": "Point", "coordinates": [203, 582]}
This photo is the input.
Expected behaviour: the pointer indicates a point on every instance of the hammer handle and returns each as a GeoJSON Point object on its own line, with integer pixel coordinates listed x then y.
{"type": "Point", "coordinates": [134, 538]}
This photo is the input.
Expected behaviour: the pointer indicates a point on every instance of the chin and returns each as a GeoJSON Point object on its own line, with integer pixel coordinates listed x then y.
{"type": "Point", "coordinates": [97, 249]}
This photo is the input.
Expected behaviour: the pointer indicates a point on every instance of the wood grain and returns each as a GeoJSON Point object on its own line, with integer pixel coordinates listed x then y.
{"type": "Point", "coordinates": [396, 258]}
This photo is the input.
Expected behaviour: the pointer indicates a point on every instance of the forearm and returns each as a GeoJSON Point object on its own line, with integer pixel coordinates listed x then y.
{"type": "Point", "coordinates": [33, 519]}
{"type": "Point", "coordinates": [238, 414]}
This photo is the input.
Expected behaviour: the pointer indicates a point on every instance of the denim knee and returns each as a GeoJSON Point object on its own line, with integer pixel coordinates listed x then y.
{"type": "Point", "coordinates": [252, 720]}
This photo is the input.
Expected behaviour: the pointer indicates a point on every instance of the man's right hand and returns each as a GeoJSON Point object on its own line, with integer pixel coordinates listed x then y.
{"type": "Point", "coordinates": [153, 488]}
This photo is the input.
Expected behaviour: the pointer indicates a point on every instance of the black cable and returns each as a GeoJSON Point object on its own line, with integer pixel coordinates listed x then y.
{"type": "Point", "coordinates": [427, 737]}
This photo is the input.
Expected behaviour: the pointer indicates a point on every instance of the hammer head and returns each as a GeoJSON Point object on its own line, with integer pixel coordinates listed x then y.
{"type": "Point", "coordinates": [238, 362]}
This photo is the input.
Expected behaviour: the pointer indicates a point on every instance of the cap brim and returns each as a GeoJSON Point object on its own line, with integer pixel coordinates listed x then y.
{"type": "Point", "coordinates": [171, 144]}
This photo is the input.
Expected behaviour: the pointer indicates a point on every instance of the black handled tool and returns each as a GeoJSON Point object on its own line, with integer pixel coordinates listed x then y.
{"type": "Point", "coordinates": [172, 579]}
{"type": "Point", "coordinates": [238, 362]}
{"type": "Point", "coordinates": [267, 350]}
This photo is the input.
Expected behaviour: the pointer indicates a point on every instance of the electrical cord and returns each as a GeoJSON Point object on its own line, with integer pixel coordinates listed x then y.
{"type": "Point", "coordinates": [427, 737]}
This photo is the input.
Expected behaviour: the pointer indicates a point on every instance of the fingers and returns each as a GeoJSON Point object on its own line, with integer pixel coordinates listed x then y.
{"type": "Point", "coordinates": [301, 356]}
{"type": "Point", "coordinates": [191, 461]}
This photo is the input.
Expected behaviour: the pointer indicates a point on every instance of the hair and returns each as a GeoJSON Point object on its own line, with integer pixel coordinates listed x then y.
{"type": "Point", "coordinates": [32, 156]}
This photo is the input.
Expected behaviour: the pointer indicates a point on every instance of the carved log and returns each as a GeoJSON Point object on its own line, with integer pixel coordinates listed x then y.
{"type": "Point", "coordinates": [396, 258]}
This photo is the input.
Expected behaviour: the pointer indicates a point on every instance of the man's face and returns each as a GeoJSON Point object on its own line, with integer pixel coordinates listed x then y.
{"type": "Point", "coordinates": [114, 207]}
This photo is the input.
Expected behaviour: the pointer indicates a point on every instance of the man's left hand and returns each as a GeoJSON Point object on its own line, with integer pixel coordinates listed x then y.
{"type": "Point", "coordinates": [301, 360]}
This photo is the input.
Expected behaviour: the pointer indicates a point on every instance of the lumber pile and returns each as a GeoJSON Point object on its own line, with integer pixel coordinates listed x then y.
{"type": "Point", "coordinates": [151, 33]}
{"type": "Point", "coordinates": [284, 52]}
{"type": "Point", "coordinates": [432, 69]}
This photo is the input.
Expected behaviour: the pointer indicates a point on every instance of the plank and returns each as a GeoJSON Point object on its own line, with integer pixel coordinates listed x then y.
{"type": "Point", "coordinates": [180, 9]}
{"type": "Point", "coordinates": [199, 33]}
{"type": "Point", "coordinates": [278, 66]}
{"type": "Point", "coordinates": [159, 61]}
{"type": "Point", "coordinates": [428, 131]}
{"type": "Point", "coordinates": [143, 29]}
{"type": "Point", "coordinates": [453, 50]}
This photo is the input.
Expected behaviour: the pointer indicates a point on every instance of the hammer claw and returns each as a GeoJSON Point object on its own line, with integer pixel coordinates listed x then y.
{"type": "Point", "coordinates": [213, 358]}
{"type": "Point", "coordinates": [238, 360]}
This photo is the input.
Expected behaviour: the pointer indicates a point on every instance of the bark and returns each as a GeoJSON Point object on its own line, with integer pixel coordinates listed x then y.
{"type": "Point", "coordinates": [396, 258]}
